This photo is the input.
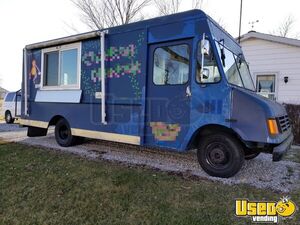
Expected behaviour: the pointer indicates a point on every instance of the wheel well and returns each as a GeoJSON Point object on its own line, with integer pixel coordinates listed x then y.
{"type": "Point", "coordinates": [55, 119]}
{"type": "Point", "coordinates": [207, 130]}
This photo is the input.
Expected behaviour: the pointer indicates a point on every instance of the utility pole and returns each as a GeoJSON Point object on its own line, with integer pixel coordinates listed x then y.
{"type": "Point", "coordinates": [240, 26]}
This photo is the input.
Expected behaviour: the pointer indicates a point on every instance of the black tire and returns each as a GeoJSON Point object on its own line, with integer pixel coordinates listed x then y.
{"type": "Point", "coordinates": [63, 134]}
{"type": "Point", "coordinates": [220, 155]}
{"type": "Point", "coordinates": [251, 155]}
{"type": "Point", "coordinates": [79, 140]}
{"type": "Point", "coordinates": [8, 117]}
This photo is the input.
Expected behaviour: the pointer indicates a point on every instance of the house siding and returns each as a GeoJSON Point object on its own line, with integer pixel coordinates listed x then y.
{"type": "Point", "coordinates": [267, 57]}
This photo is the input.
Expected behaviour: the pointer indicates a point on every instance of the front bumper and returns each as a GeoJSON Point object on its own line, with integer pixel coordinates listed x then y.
{"type": "Point", "coordinates": [279, 150]}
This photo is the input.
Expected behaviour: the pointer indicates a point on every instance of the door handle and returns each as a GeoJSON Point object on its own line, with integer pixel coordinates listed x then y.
{"type": "Point", "coordinates": [188, 91]}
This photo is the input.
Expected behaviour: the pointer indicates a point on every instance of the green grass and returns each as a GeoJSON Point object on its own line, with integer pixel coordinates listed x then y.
{"type": "Point", "coordinates": [38, 186]}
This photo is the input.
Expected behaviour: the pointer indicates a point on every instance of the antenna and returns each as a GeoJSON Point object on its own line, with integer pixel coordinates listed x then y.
{"type": "Point", "coordinates": [240, 25]}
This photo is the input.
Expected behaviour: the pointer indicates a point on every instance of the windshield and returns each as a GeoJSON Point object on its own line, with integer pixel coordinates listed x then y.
{"type": "Point", "coordinates": [235, 68]}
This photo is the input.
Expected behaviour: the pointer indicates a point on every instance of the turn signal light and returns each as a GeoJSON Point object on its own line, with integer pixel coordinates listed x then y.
{"type": "Point", "coordinates": [273, 128]}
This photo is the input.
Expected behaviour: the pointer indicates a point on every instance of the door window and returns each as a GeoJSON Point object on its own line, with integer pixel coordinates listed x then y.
{"type": "Point", "coordinates": [171, 65]}
{"type": "Point", "coordinates": [210, 67]}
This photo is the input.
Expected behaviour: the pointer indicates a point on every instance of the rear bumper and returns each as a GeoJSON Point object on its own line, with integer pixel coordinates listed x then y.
{"type": "Point", "coordinates": [279, 150]}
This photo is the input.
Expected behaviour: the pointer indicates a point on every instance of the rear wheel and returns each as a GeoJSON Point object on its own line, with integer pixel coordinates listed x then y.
{"type": "Point", "coordinates": [63, 134]}
{"type": "Point", "coordinates": [8, 117]}
{"type": "Point", "coordinates": [220, 155]}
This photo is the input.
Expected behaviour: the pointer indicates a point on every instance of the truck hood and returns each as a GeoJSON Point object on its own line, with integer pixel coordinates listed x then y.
{"type": "Point", "coordinates": [271, 108]}
{"type": "Point", "coordinates": [250, 112]}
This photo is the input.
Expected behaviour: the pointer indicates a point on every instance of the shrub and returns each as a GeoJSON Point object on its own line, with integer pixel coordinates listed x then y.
{"type": "Point", "coordinates": [294, 114]}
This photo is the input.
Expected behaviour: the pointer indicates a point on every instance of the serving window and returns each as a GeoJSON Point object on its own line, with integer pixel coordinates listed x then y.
{"type": "Point", "coordinates": [61, 67]}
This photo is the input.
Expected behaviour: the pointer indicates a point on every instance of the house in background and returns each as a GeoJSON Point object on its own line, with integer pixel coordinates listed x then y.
{"type": "Point", "coordinates": [2, 92]}
{"type": "Point", "coordinates": [274, 64]}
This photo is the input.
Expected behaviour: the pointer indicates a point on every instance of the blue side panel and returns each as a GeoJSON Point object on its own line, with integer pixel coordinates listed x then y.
{"type": "Point", "coordinates": [173, 31]}
{"type": "Point", "coordinates": [125, 82]}
{"type": "Point", "coordinates": [121, 119]}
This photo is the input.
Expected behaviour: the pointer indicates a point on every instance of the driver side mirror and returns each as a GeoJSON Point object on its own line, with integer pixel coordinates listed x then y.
{"type": "Point", "coordinates": [204, 75]}
{"type": "Point", "coordinates": [205, 50]}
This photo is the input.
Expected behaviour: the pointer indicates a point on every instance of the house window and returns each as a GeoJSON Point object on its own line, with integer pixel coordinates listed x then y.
{"type": "Point", "coordinates": [265, 85]}
{"type": "Point", "coordinates": [171, 65]}
{"type": "Point", "coordinates": [61, 67]}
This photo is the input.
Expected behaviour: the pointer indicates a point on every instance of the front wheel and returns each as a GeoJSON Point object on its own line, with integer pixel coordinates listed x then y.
{"type": "Point", "coordinates": [63, 134]}
{"type": "Point", "coordinates": [251, 155]}
{"type": "Point", "coordinates": [220, 155]}
{"type": "Point", "coordinates": [8, 117]}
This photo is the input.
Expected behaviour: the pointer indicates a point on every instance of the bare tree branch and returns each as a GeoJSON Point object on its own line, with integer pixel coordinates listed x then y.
{"type": "Point", "coordinates": [70, 28]}
{"type": "Point", "coordinates": [197, 4]}
{"type": "Point", "coordinates": [285, 28]}
{"type": "Point", "coordinates": [99, 14]}
{"type": "Point", "coordinates": [167, 7]}
{"type": "Point", "coordinates": [221, 22]}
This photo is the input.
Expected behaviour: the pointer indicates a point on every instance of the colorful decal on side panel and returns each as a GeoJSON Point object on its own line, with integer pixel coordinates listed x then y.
{"type": "Point", "coordinates": [122, 61]}
{"type": "Point", "coordinates": [117, 71]}
{"type": "Point", "coordinates": [34, 71]}
{"type": "Point", "coordinates": [165, 132]}
{"type": "Point", "coordinates": [34, 65]}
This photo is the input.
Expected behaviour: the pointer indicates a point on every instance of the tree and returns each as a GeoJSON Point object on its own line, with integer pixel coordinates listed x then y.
{"type": "Point", "coordinates": [99, 14]}
{"type": "Point", "coordinates": [197, 4]}
{"type": "Point", "coordinates": [167, 7]}
{"type": "Point", "coordinates": [221, 22]}
{"type": "Point", "coordinates": [285, 28]}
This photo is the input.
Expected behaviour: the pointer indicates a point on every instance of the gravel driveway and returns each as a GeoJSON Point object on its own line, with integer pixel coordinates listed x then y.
{"type": "Point", "coordinates": [260, 172]}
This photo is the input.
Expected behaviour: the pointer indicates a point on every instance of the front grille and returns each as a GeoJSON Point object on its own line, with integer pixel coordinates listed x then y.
{"type": "Point", "coordinates": [283, 123]}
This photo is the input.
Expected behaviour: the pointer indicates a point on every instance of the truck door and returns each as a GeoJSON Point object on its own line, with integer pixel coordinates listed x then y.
{"type": "Point", "coordinates": [168, 93]}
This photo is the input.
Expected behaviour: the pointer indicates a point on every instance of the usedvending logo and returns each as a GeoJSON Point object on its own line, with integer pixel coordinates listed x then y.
{"type": "Point", "coordinates": [265, 211]}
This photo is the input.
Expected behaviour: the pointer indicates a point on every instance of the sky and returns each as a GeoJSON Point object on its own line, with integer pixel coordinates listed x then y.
{"type": "Point", "coordinates": [31, 21]}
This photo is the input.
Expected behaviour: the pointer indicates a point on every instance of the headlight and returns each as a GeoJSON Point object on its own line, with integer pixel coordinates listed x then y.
{"type": "Point", "coordinates": [273, 128]}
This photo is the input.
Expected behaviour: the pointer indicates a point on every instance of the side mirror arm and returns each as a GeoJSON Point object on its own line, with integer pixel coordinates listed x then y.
{"type": "Point", "coordinates": [202, 56]}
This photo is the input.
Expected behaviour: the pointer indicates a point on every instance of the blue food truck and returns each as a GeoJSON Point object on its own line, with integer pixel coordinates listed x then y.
{"type": "Point", "coordinates": [176, 82]}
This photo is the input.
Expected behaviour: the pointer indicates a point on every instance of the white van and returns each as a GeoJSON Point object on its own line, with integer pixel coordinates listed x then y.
{"type": "Point", "coordinates": [11, 107]}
